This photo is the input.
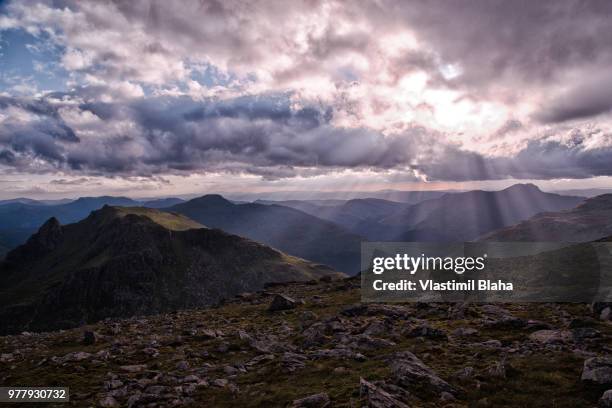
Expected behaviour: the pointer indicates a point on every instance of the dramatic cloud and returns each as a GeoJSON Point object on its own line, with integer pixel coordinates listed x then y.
{"type": "Point", "coordinates": [593, 96]}
{"type": "Point", "coordinates": [452, 91]}
{"type": "Point", "coordinates": [164, 134]}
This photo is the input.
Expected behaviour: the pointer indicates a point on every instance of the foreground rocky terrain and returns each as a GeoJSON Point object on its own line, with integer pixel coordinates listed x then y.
{"type": "Point", "coordinates": [313, 344]}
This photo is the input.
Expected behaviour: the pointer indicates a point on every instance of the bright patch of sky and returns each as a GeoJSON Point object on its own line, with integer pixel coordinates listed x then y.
{"type": "Point", "coordinates": [29, 64]}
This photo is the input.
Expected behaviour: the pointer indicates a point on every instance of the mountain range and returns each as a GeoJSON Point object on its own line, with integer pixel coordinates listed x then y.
{"type": "Point", "coordinates": [466, 216]}
{"type": "Point", "coordinates": [410, 197]}
{"type": "Point", "coordinates": [324, 231]}
{"type": "Point", "coordinates": [287, 229]}
{"type": "Point", "coordinates": [23, 200]}
{"type": "Point", "coordinates": [125, 261]}
{"type": "Point", "coordinates": [350, 214]}
{"type": "Point", "coordinates": [453, 217]}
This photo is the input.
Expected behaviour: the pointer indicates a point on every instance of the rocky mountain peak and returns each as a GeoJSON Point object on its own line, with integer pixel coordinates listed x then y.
{"type": "Point", "coordinates": [49, 234]}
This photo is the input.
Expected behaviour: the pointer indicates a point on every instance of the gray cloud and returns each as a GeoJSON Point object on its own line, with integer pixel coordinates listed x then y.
{"type": "Point", "coordinates": [539, 160]}
{"type": "Point", "coordinates": [523, 41]}
{"type": "Point", "coordinates": [252, 134]}
{"type": "Point", "coordinates": [124, 57]}
{"type": "Point", "coordinates": [266, 136]}
{"type": "Point", "coordinates": [591, 97]}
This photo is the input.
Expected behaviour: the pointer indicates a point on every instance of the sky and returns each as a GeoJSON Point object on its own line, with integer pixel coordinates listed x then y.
{"type": "Point", "coordinates": [158, 98]}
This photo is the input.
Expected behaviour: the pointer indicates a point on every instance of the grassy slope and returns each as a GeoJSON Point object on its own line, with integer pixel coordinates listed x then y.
{"type": "Point", "coordinates": [171, 221]}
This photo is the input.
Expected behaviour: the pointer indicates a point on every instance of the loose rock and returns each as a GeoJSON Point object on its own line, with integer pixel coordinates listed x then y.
{"type": "Point", "coordinates": [282, 302]}
{"type": "Point", "coordinates": [320, 400]}
{"type": "Point", "coordinates": [598, 370]}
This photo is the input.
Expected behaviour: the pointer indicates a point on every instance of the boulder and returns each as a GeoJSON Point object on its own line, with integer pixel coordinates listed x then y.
{"type": "Point", "coordinates": [134, 368]}
{"type": "Point", "coordinates": [320, 400]}
{"type": "Point", "coordinates": [606, 400]}
{"type": "Point", "coordinates": [314, 335]}
{"type": "Point", "coordinates": [338, 353]}
{"type": "Point", "coordinates": [408, 371]}
{"type": "Point", "coordinates": [497, 370]}
{"type": "Point", "coordinates": [464, 373]}
{"type": "Point", "coordinates": [551, 336]}
{"type": "Point", "coordinates": [376, 397]}
{"type": "Point", "coordinates": [282, 302]}
{"type": "Point", "coordinates": [584, 333]}
{"type": "Point", "coordinates": [464, 331]}
{"type": "Point", "coordinates": [365, 342]}
{"type": "Point", "coordinates": [89, 338]}
{"type": "Point", "coordinates": [427, 332]}
{"type": "Point", "coordinates": [220, 382]}
{"type": "Point", "coordinates": [108, 402]}
{"type": "Point", "coordinates": [293, 361]}
{"type": "Point", "coordinates": [505, 323]}
{"type": "Point", "coordinates": [598, 370]}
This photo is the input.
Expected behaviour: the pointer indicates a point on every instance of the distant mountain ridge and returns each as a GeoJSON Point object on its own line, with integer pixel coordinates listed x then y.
{"type": "Point", "coordinates": [129, 261]}
{"type": "Point", "coordinates": [590, 220]}
{"type": "Point", "coordinates": [457, 217]}
{"type": "Point", "coordinates": [327, 231]}
{"type": "Point", "coordinates": [23, 200]}
{"type": "Point", "coordinates": [349, 214]}
{"type": "Point", "coordinates": [453, 217]}
{"type": "Point", "coordinates": [411, 197]}
{"type": "Point", "coordinates": [290, 230]}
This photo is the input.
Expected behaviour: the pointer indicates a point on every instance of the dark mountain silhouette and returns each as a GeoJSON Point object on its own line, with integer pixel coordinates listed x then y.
{"type": "Point", "coordinates": [591, 220]}
{"type": "Point", "coordinates": [123, 261]}
{"type": "Point", "coordinates": [4, 248]}
{"type": "Point", "coordinates": [287, 229]}
{"type": "Point", "coordinates": [467, 216]}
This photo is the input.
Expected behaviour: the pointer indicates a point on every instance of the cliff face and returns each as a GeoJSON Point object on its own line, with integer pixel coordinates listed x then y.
{"type": "Point", "coordinates": [124, 262]}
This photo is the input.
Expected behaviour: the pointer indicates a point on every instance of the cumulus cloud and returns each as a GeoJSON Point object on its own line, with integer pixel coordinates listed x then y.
{"type": "Point", "coordinates": [164, 134]}
{"type": "Point", "coordinates": [458, 91]}
{"type": "Point", "coordinates": [265, 136]}
{"type": "Point", "coordinates": [591, 97]}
